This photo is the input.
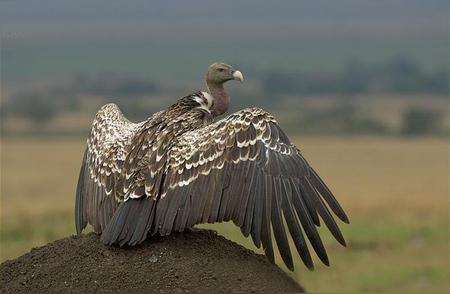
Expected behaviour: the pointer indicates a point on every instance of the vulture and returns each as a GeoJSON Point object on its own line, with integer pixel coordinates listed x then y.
{"type": "Point", "coordinates": [181, 167]}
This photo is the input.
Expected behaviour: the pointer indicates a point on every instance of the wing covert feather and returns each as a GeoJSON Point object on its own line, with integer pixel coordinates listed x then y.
{"type": "Point", "coordinates": [96, 197]}
{"type": "Point", "coordinates": [247, 170]}
{"type": "Point", "coordinates": [136, 180]}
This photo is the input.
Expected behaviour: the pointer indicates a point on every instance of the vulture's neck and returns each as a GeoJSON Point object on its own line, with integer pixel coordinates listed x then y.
{"type": "Point", "coordinates": [221, 98]}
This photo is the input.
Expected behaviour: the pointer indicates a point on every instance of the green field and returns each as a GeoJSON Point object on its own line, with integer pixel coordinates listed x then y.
{"type": "Point", "coordinates": [394, 190]}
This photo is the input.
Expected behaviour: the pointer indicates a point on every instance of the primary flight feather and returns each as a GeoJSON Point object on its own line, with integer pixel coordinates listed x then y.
{"type": "Point", "coordinates": [179, 168]}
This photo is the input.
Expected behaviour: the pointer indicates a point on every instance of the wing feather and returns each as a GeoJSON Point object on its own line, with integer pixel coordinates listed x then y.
{"type": "Point", "coordinates": [96, 195]}
{"type": "Point", "coordinates": [81, 192]}
{"type": "Point", "coordinates": [328, 196]}
{"type": "Point", "coordinates": [266, 233]}
{"type": "Point", "coordinates": [248, 217]}
{"type": "Point", "coordinates": [294, 225]}
{"type": "Point", "coordinates": [244, 168]}
{"type": "Point", "coordinates": [308, 225]}
{"type": "Point", "coordinates": [322, 210]}
{"type": "Point", "coordinates": [257, 210]}
{"type": "Point", "coordinates": [137, 180]}
{"type": "Point", "coordinates": [278, 225]}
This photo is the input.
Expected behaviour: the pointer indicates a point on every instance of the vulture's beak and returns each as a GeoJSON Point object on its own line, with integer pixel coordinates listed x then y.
{"type": "Point", "coordinates": [237, 75]}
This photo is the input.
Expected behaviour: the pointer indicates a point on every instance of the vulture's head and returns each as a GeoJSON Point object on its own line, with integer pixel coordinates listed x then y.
{"type": "Point", "coordinates": [219, 73]}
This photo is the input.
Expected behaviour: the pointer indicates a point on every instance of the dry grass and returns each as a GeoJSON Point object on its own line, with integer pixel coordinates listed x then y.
{"type": "Point", "coordinates": [395, 192]}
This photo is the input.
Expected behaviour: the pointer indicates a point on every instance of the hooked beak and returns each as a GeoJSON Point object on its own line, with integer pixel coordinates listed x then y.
{"type": "Point", "coordinates": [237, 75]}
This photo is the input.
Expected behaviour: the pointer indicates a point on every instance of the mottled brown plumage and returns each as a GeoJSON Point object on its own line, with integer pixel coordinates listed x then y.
{"type": "Point", "coordinates": [179, 168]}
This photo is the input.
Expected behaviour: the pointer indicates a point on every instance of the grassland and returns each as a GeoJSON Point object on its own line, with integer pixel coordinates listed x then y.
{"type": "Point", "coordinates": [395, 192]}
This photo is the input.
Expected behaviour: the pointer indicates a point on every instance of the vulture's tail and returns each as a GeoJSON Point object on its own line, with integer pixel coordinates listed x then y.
{"type": "Point", "coordinates": [131, 222]}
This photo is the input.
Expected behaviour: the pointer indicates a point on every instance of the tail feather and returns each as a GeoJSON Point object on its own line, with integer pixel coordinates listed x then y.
{"type": "Point", "coordinates": [130, 223]}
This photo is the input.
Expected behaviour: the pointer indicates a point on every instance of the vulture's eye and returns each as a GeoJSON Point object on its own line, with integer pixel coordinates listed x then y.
{"type": "Point", "coordinates": [221, 69]}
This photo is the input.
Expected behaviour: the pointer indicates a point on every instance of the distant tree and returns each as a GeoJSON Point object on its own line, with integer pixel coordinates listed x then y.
{"type": "Point", "coordinates": [110, 84]}
{"type": "Point", "coordinates": [420, 121]}
{"type": "Point", "coordinates": [400, 74]}
{"type": "Point", "coordinates": [354, 79]}
{"type": "Point", "coordinates": [438, 82]}
{"type": "Point", "coordinates": [280, 82]}
{"type": "Point", "coordinates": [34, 107]}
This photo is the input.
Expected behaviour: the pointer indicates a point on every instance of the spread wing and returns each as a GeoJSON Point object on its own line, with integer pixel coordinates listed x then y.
{"type": "Point", "coordinates": [124, 160]}
{"type": "Point", "coordinates": [244, 168]}
{"type": "Point", "coordinates": [98, 192]}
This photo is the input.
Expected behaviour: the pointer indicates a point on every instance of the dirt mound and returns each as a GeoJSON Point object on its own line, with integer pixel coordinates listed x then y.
{"type": "Point", "coordinates": [197, 261]}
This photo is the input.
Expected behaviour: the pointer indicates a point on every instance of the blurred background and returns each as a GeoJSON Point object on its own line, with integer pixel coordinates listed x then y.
{"type": "Point", "coordinates": [360, 86]}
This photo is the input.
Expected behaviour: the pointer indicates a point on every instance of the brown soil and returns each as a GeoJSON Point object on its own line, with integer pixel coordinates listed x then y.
{"type": "Point", "coordinates": [197, 261]}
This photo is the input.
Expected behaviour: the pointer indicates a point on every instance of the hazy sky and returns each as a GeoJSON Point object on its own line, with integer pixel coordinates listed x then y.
{"type": "Point", "coordinates": [49, 39]}
{"type": "Point", "coordinates": [415, 17]}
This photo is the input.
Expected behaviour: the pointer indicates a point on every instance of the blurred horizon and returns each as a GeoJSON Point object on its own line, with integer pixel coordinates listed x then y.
{"type": "Point", "coordinates": [67, 59]}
